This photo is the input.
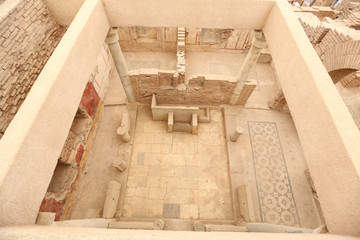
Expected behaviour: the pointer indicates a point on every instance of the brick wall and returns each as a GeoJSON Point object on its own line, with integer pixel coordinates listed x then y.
{"type": "Point", "coordinates": [28, 36]}
{"type": "Point", "coordinates": [205, 89]}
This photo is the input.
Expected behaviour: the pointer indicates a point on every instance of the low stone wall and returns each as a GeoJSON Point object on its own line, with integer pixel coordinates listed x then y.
{"type": "Point", "coordinates": [28, 36]}
{"type": "Point", "coordinates": [200, 89]}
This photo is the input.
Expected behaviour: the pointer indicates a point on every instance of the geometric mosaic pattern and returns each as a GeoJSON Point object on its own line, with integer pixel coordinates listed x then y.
{"type": "Point", "coordinates": [276, 199]}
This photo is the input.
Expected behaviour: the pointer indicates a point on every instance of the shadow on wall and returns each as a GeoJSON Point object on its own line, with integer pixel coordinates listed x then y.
{"type": "Point", "coordinates": [69, 169]}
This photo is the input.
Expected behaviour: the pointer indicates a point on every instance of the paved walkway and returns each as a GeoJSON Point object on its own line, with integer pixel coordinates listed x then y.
{"type": "Point", "coordinates": [178, 175]}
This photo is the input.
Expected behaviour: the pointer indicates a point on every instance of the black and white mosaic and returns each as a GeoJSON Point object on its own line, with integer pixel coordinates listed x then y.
{"type": "Point", "coordinates": [276, 199]}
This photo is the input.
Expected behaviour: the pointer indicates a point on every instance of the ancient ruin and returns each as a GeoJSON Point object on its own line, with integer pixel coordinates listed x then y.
{"type": "Point", "coordinates": [139, 119]}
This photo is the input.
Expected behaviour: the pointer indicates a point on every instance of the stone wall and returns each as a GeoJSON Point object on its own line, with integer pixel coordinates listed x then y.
{"type": "Point", "coordinates": [350, 14]}
{"type": "Point", "coordinates": [197, 39]}
{"type": "Point", "coordinates": [198, 90]}
{"type": "Point", "coordinates": [323, 3]}
{"type": "Point", "coordinates": [28, 36]}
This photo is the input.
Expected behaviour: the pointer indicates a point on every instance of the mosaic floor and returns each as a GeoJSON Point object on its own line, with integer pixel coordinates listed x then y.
{"type": "Point", "coordinates": [277, 204]}
{"type": "Point", "coordinates": [168, 178]}
{"type": "Point", "coordinates": [273, 166]}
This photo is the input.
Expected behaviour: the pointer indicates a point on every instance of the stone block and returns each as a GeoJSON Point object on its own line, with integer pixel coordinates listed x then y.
{"type": "Point", "coordinates": [183, 127]}
{"type": "Point", "coordinates": [111, 199]}
{"type": "Point", "coordinates": [245, 203]}
{"type": "Point", "coordinates": [224, 228]}
{"type": "Point", "coordinates": [45, 218]}
{"type": "Point", "coordinates": [124, 129]}
{"type": "Point", "coordinates": [171, 210]}
{"type": "Point", "coordinates": [236, 134]}
{"type": "Point", "coordinates": [199, 226]}
{"type": "Point", "coordinates": [272, 228]}
{"type": "Point", "coordinates": [170, 124]}
{"type": "Point", "coordinates": [156, 225]}
{"type": "Point", "coordinates": [120, 164]}
{"type": "Point", "coordinates": [194, 124]}
{"type": "Point", "coordinates": [246, 92]}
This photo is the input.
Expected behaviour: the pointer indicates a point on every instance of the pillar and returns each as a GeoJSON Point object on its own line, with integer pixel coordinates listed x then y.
{"type": "Point", "coordinates": [235, 136]}
{"type": "Point", "coordinates": [194, 124]}
{"type": "Point", "coordinates": [124, 129]}
{"type": "Point", "coordinates": [278, 101]}
{"type": "Point", "coordinates": [112, 40]}
{"type": "Point", "coordinates": [246, 91]}
{"type": "Point", "coordinates": [258, 43]}
{"type": "Point", "coordinates": [170, 125]}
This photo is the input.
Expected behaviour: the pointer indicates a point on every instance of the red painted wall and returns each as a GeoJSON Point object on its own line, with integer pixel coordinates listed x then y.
{"type": "Point", "coordinates": [90, 99]}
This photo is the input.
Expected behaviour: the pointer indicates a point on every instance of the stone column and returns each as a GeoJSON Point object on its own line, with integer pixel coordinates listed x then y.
{"type": "Point", "coordinates": [258, 43]}
{"type": "Point", "coordinates": [235, 136]}
{"type": "Point", "coordinates": [111, 199]}
{"type": "Point", "coordinates": [112, 40]}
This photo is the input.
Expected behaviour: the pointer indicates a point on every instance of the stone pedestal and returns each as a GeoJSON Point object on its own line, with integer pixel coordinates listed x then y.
{"type": "Point", "coordinates": [124, 129]}
{"type": "Point", "coordinates": [170, 125]}
{"type": "Point", "coordinates": [120, 165]}
{"type": "Point", "coordinates": [237, 133]}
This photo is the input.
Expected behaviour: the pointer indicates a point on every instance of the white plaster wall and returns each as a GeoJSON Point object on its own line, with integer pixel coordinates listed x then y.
{"type": "Point", "coordinates": [32, 144]}
{"type": "Point", "coordinates": [328, 135]}
{"type": "Point", "coordinates": [240, 14]}
{"type": "Point", "coordinates": [101, 73]}
{"type": "Point", "coordinates": [64, 11]}
{"type": "Point", "coordinates": [77, 233]}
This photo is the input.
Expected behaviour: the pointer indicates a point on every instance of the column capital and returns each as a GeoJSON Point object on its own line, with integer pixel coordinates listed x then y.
{"type": "Point", "coordinates": [259, 39]}
{"type": "Point", "coordinates": [112, 36]}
